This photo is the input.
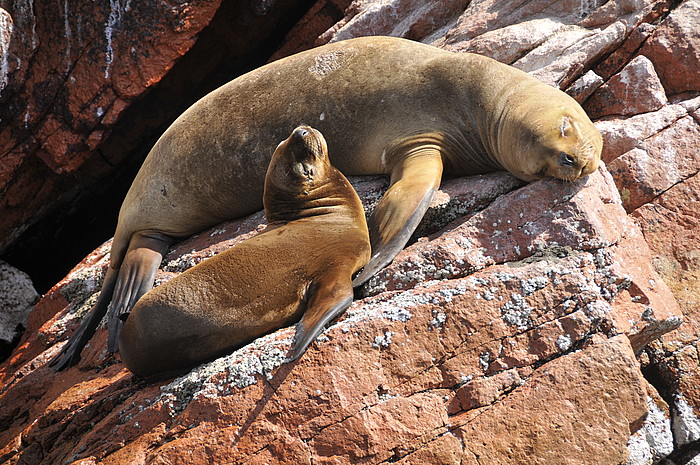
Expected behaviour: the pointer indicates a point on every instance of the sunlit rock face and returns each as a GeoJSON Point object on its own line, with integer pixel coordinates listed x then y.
{"type": "Point", "coordinates": [522, 321]}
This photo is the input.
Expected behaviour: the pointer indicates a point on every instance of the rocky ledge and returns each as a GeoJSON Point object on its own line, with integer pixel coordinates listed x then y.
{"type": "Point", "coordinates": [543, 323]}
{"type": "Point", "coordinates": [511, 328]}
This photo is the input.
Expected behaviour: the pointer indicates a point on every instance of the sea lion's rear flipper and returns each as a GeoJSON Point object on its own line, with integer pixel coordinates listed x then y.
{"type": "Point", "coordinates": [327, 300]}
{"type": "Point", "coordinates": [70, 352]}
{"type": "Point", "coordinates": [414, 179]}
{"type": "Point", "coordinates": [136, 276]}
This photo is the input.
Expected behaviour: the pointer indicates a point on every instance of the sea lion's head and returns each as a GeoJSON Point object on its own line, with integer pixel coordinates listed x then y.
{"type": "Point", "coordinates": [557, 140]}
{"type": "Point", "coordinates": [299, 176]}
{"type": "Point", "coordinates": [299, 162]}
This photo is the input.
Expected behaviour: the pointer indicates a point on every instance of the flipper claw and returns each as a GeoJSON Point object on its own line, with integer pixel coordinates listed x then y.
{"type": "Point", "coordinates": [138, 269]}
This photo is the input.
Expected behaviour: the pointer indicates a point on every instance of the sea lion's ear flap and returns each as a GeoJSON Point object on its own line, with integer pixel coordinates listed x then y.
{"type": "Point", "coordinates": [414, 180]}
{"type": "Point", "coordinates": [565, 126]}
{"type": "Point", "coordinates": [328, 299]}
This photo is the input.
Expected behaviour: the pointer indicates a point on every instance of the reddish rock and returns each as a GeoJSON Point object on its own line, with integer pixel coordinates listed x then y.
{"type": "Point", "coordinates": [621, 135]}
{"type": "Point", "coordinates": [634, 90]}
{"type": "Point", "coordinates": [658, 163]}
{"type": "Point", "coordinates": [674, 48]}
{"type": "Point", "coordinates": [411, 19]}
{"type": "Point", "coordinates": [627, 50]}
{"type": "Point", "coordinates": [538, 432]}
{"type": "Point", "coordinates": [510, 333]}
{"type": "Point", "coordinates": [323, 15]}
{"type": "Point", "coordinates": [70, 72]}
{"type": "Point", "coordinates": [556, 42]}
{"type": "Point", "coordinates": [582, 215]}
{"type": "Point", "coordinates": [671, 226]}
{"type": "Point", "coordinates": [404, 376]}
{"type": "Point", "coordinates": [584, 86]}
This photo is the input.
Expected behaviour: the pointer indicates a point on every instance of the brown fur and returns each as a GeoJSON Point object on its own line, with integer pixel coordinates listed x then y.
{"type": "Point", "coordinates": [302, 264]}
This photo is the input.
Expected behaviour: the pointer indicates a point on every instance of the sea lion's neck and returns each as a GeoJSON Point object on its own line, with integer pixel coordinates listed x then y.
{"type": "Point", "coordinates": [481, 90]}
{"type": "Point", "coordinates": [505, 97]}
{"type": "Point", "coordinates": [333, 198]}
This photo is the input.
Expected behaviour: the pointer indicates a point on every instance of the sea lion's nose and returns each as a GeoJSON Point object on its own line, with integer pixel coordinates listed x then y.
{"type": "Point", "coordinates": [300, 133]}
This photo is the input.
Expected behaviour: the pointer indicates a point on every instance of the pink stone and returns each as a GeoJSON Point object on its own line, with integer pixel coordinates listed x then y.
{"type": "Point", "coordinates": [634, 90]}
{"type": "Point", "coordinates": [675, 49]}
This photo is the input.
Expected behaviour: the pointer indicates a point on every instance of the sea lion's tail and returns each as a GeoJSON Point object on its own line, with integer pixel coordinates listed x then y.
{"type": "Point", "coordinates": [133, 278]}
{"type": "Point", "coordinates": [136, 276]}
{"type": "Point", "coordinates": [70, 353]}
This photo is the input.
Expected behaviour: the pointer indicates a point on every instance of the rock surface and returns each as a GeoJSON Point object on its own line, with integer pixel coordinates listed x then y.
{"type": "Point", "coordinates": [85, 90]}
{"type": "Point", "coordinates": [17, 298]}
{"type": "Point", "coordinates": [57, 108]}
{"type": "Point", "coordinates": [419, 375]}
{"type": "Point", "coordinates": [634, 90]}
{"type": "Point", "coordinates": [525, 320]}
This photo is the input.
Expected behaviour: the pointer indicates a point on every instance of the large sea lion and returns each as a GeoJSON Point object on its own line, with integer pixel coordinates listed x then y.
{"type": "Point", "coordinates": [385, 105]}
{"type": "Point", "coordinates": [301, 264]}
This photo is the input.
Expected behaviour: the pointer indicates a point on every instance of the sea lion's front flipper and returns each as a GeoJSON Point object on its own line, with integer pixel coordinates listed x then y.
{"type": "Point", "coordinates": [70, 352]}
{"type": "Point", "coordinates": [327, 300]}
{"type": "Point", "coordinates": [136, 276]}
{"type": "Point", "coordinates": [414, 179]}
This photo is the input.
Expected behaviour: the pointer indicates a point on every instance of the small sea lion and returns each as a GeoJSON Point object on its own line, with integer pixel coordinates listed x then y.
{"type": "Point", "coordinates": [300, 266]}
{"type": "Point", "coordinates": [385, 105]}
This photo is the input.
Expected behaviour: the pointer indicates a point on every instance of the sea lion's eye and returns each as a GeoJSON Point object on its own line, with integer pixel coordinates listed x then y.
{"type": "Point", "coordinates": [566, 160]}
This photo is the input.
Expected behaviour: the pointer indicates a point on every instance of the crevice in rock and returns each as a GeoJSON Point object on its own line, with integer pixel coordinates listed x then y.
{"type": "Point", "coordinates": [663, 191]}
{"type": "Point", "coordinates": [683, 455]}
{"type": "Point", "coordinates": [653, 373]}
{"type": "Point", "coordinates": [86, 214]}
{"type": "Point", "coordinates": [6, 348]}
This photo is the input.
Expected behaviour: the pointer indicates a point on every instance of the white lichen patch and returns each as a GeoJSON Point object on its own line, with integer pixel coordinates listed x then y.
{"type": "Point", "coordinates": [490, 293]}
{"type": "Point", "coordinates": [531, 285]}
{"type": "Point", "coordinates": [563, 342]}
{"type": "Point", "coordinates": [241, 369]}
{"type": "Point", "coordinates": [68, 34]}
{"type": "Point", "coordinates": [77, 310]}
{"type": "Point", "coordinates": [438, 321]}
{"type": "Point", "coordinates": [686, 423]}
{"type": "Point", "coordinates": [447, 294]}
{"type": "Point", "coordinates": [217, 232]}
{"type": "Point", "coordinates": [383, 340]}
{"type": "Point", "coordinates": [185, 261]}
{"type": "Point", "coordinates": [83, 283]}
{"type": "Point", "coordinates": [516, 312]}
{"type": "Point", "coordinates": [117, 8]}
{"type": "Point", "coordinates": [396, 308]}
{"type": "Point", "coordinates": [484, 360]}
{"type": "Point", "coordinates": [6, 29]}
